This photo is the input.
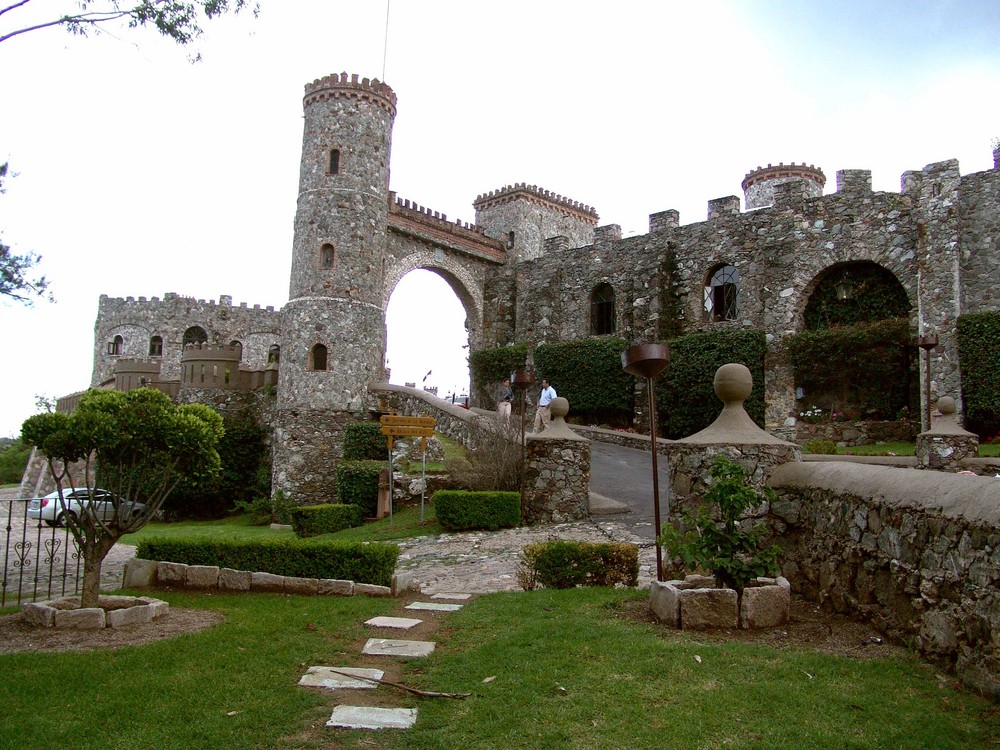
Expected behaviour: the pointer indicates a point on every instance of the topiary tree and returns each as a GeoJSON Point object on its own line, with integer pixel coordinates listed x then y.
{"type": "Point", "coordinates": [731, 550]}
{"type": "Point", "coordinates": [140, 446]}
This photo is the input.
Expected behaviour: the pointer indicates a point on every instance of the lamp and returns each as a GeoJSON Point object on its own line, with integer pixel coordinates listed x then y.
{"type": "Point", "coordinates": [844, 288]}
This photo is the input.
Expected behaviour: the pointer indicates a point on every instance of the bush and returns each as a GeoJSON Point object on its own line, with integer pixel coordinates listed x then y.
{"type": "Point", "coordinates": [685, 395]}
{"type": "Point", "coordinates": [313, 520]}
{"type": "Point", "coordinates": [821, 447]}
{"type": "Point", "coordinates": [563, 564]}
{"type": "Point", "coordinates": [493, 462]}
{"type": "Point", "coordinates": [488, 367]}
{"type": "Point", "coordinates": [364, 441]}
{"type": "Point", "coordinates": [370, 562]}
{"type": "Point", "coordinates": [265, 510]}
{"type": "Point", "coordinates": [13, 460]}
{"type": "Point", "coordinates": [357, 484]}
{"type": "Point", "coordinates": [979, 355]}
{"type": "Point", "coordinates": [589, 374]}
{"type": "Point", "coordinates": [460, 510]}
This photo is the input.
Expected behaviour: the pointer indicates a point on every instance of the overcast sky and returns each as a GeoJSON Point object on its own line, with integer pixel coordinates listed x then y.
{"type": "Point", "coordinates": [140, 173]}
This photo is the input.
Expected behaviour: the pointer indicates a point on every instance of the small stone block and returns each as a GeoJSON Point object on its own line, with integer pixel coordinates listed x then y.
{"type": "Point", "coordinates": [39, 615]}
{"type": "Point", "coordinates": [136, 615]}
{"type": "Point", "coordinates": [453, 597]}
{"type": "Point", "coordinates": [370, 589]}
{"type": "Point", "coordinates": [361, 717]}
{"type": "Point", "coordinates": [267, 582]}
{"type": "Point", "coordinates": [403, 623]}
{"type": "Point", "coordinates": [140, 574]}
{"type": "Point", "coordinates": [390, 647]}
{"type": "Point", "coordinates": [435, 606]}
{"type": "Point", "coordinates": [333, 587]}
{"type": "Point", "coordinates": [708, 608]}
{"type": "Point", "coordinates": [665, 602]}
{"type": "Point", "coordinates": [766, 606]}
{"type": "Point", "coordinates": [325, 677]}
{"type": "Point", "coordinates": [87, 618]}
{"type": "Point", "coordinates": [234, 580]}
{"type": "Point", "coordinates": [281, 526]}
{"type": "Point", "coordinates": [301, 586]}
{"type": "Point", "coordinates": [159, 608]}
{"type": "Point", "coordinates": [401, 582]}
{"type": "Point", "coordinates": [202, 577]}
{"type": "Point", "coordinates": [171, 574]}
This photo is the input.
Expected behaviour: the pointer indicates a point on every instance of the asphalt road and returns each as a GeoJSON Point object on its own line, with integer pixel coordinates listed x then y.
{"type": "Point", "coordinates": [626, 475]}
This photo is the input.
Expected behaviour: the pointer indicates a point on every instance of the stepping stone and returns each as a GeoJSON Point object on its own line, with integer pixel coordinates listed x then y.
{"type": "Point", "coordinates": [434, 606]}
{"type": "Point", "coordinates": [454, 597]}
{"type": "Point", "coordinates": [363, 717]}
{"type": "Point", "coordinates": [390, 647]}
{"type": "Point", "coordinates": [403, 623]}
{"type": "Point", "coordinates": [324, 677]}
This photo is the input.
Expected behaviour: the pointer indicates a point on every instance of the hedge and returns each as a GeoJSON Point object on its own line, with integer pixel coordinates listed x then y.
{"type": "Point", "coordinates": [372, 562]}
{"type": "Point", "coordinates": [313, 520]}
{"type": "Point", "coordinates": [685, 395]}
{"type": "Point", "coordinates": [979, 358]}
{"type": "Point", "coordinates": [357, 484]}
{"type": "Point", "coordinates": [589, 374]}
{"type": "Point", "coordinates": [464, 510]}
{"type": "Point", "coordinates": [364, 441]}
{"type": "Point", "coordinates": [565, 564]}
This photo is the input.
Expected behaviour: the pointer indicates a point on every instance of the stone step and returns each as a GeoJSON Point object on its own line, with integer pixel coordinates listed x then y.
{"type": "Point", "coordinates": [401, 623]}
{"type": "Point", "coordinates": [324, 677]}
{"type": "Point", "coordinates": [365, 717]}
{"type": "Point", "coordinates": [452, 596]}
{"type": "Point", "coordinates": [435, 606]}
{"type": "Point", "coordinates": [390, 647]}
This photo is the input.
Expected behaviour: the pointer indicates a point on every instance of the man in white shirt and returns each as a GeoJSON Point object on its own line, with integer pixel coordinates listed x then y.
{"type": "Point", "coordinates": [542, 414]}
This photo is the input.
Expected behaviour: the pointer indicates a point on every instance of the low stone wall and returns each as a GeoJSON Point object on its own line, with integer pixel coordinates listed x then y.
{"type": "Point", "coordinates": [140, 573]}
{"type": "Point", "coordinates": [625, 439]}
{"type": "Point", "coordinates": [453, 421]}
{"type": "Point", "coordinates": [917, 552]}
{"type": "Point", "coordinates": [859, 433]}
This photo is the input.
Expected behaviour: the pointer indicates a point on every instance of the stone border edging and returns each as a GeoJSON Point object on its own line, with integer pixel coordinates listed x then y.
{"type": "Point", "coordinates": [115, 612]}
{"type": "Point", "coordinates": [141, 573]}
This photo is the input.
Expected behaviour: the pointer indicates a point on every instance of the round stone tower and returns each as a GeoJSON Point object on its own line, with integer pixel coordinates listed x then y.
{"type": "Point", "coordinates": [758, 185]}
{"type": "Point", "coordinates": [333, 327]}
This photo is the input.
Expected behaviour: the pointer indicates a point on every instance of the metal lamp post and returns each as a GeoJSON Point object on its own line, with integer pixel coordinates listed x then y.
{"type": "Point", "coordinates": [647, 361]}
{"type": "Point", "coordinates": [927, 342]}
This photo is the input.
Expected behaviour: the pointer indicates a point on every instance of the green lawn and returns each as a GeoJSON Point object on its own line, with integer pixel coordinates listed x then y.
{"type": "Point", "coordinates": [991, 450]}
{"type": "Point", "coordinates": [546, 669]}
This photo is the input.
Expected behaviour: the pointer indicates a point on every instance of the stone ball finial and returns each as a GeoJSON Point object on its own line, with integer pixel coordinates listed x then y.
{"type": "Point", "coordinates": [733, 383]}
{"type": "Point", "coordinates": [559, 407]}
{"type": "Point", "coordinates": [946, 405]}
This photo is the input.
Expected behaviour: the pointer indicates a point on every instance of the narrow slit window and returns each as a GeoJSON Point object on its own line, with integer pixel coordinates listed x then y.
{"type": "Point", "coordinates": [335, 161]}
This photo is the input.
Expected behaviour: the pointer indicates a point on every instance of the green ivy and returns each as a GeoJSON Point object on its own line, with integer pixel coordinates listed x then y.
{"type": "Point", "coordinates": [493, 365]}
{"type": "Point", "coordinates": [589, 374]}
{"type": "Point", "coordinates": [979, 358]}
{"type": "Point", "coordinates": [357, 484]}
{"type": "Point", "coordinates": [876, 295]}
{"type": "Point", "coordinates": [685, 395]}
{"type": "Point", "coordinates": [365, 441]}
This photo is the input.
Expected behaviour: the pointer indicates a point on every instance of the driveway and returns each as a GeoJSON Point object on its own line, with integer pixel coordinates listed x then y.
{"type": "Point", "coordinates": [626, 475]}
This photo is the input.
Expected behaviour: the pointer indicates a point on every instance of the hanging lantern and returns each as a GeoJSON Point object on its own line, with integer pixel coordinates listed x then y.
{"type": "Point", "coordinates": [844, 288]}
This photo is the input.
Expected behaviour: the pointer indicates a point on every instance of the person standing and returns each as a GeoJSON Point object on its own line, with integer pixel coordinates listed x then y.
{"type": "Point", "coordinates": [505, 396]}
{"type": "Point", "coordinates": [542, 414]}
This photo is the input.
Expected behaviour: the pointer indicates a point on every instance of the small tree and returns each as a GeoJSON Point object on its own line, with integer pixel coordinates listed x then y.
{"type": "Point", "coordinates": [139, 446]}
{"type": "Point", "coordinates": [733, 550]}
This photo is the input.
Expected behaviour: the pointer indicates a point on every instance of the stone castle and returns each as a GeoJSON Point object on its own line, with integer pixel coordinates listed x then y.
{"type": "Point", "coordinates": [538, 267]}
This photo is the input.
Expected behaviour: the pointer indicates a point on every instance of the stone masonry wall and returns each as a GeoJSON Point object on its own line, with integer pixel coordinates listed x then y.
{"type": "Point", "coordinates": [917, 552]}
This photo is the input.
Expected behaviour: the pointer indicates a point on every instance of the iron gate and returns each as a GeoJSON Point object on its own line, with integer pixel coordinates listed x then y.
{"type": "Point", "coordinates": [40, 562]}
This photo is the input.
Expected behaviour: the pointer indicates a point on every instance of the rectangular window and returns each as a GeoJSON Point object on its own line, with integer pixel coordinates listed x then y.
{"type": "Point", "coordinates": [335, 161]}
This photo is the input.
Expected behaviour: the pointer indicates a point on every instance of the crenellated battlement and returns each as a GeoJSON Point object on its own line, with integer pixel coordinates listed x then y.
{"type": "Point", "coordinates": [540, 196]}
{"type": "Point", "coordinates": [437, 217]}
{"type": "Point", "coordinates": [350, 86]}
{"type": "Point", "coordinates": [204, 350]}
{"type": "Point", "coordinates": [225, 300]}
{"type": "Point", "coordinates": [408, 216]}
{"type": "Point", "coordinates": [784, 171]}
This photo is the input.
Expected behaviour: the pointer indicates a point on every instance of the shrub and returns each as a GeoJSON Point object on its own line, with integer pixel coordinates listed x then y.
{"type": "Point", "coordinates": [488, 367]}
{"type": "Point", "coordinates": [734, 553]}
{"type": "Point", "coordinates": [821, 447]}
{"type": "Point", "coordinates": [13, 459]}
{"type": "Point", "coordinates": [589, 374]}
{"type": "Point", "coordinates": [460, 510]}
{"type": "Point", "coordinates": [979, 355]}
{"type": "Point", "coordinates": [313, 520]}
{"type": "Point", "coordinates": [493, 461]}
{"type": "Point", "coordinates": [357, 484]}
{"type": "Point", "coordinates": [369, 562]}
{"type": "Point", "coordinates": [364, 441]}
{"type": "Point", "coordinates": [685, 395]}
{"type": "Point", "coordinates": [564, 564]}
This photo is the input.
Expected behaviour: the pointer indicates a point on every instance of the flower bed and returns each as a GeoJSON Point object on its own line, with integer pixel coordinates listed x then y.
{"type": "Point", "coordinates": [858, 433]}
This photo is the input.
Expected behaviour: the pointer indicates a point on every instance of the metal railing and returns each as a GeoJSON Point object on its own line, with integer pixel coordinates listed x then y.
{"type": "Point", "coordinates": [40, 562]}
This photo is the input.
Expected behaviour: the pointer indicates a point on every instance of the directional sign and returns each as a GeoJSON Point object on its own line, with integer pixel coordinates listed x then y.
{"type": "Point", "coordinates": [393, 430]}
{"type": "Point", "coordinates": [401, 421]}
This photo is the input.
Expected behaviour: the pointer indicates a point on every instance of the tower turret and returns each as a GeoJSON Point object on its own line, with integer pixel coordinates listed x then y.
{"type": "Point", "coordinates": [758, 185]}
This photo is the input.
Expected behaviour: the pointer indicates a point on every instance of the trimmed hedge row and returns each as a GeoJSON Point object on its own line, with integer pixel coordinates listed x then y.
{"type": "Point", "coordinates": [464, 510]}
{"type": "Point", "coordinates": [357, 484]}
{"type": "Point", "coordinates": [564, 564]}
{"type": "Point", "coordinates": [589, 374]}
{"type": "Point", "coordinates": [373, 562]}
{"type": "Point", "coordinates": [979, 355]}
{"type": "Point", "coordinates": [364, 441]}
{"type": "Point", "coordinates": [313, 520]}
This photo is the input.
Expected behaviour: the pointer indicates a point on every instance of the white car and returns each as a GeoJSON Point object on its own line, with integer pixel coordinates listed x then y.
{"type": "Point", "coordinates": [53, 512]}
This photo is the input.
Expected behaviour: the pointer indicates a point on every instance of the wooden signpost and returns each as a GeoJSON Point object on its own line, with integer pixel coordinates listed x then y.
{"type": "Point", "coordinates": [394, 425]}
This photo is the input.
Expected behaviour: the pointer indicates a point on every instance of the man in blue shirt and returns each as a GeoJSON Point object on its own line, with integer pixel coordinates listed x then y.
{"type": "Point", "coordinates": [542, 414]}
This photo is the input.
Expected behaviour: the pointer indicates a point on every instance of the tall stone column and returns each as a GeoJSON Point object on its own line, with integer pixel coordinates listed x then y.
{"type": "Point", "coordinates": [333, 326]}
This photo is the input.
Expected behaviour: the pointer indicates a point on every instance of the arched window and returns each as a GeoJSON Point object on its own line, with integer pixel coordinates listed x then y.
{"type": "Point", "coordinates": [195, 335]}
{"type": "Point", "coordinates": [237, 347]}
{"type": "Point", "coordinates": [602, 310]}
{"type": "Point", "coordinates": [317, 357]}
{"type": "Point", "coordinates": [115, 346]}
{"type": "Point", "coordinates": [273, 354]}
{"type": "Point", "coordinates": [722, 294]}
{"type": "Point", "coordinates": [156, 346]}
{"type": "Point", "coordinates": [326, 256]}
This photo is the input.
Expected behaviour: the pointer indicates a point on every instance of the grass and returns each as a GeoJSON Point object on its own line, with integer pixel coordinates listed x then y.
{"type": "Point", "coordinates": [623, 684]}
{"type": "Point", "coordinates": [987, 450]}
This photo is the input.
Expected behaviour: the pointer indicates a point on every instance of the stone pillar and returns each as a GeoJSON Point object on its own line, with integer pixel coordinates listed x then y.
{"type": "Point", "coordinates": [945, 445]}
{"type": "Point", "coordinates": [557, 472]}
